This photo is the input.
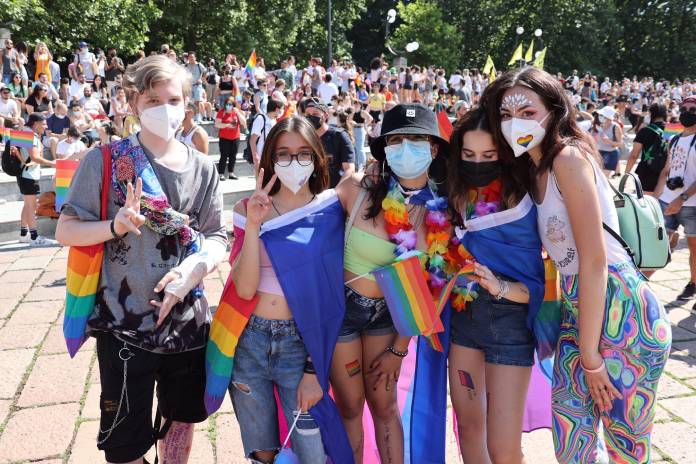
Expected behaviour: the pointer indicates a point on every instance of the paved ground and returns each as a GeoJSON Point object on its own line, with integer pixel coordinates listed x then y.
{"type": "Point", "coordinates": [49, 403]}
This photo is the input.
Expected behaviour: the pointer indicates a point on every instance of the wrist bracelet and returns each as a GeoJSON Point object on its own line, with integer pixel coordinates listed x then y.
{"type": "Point", "coordinates": [113, 231]}
{"type": "Point", "coordinates": [309, 367]}
{"type": "Point", "coordinates": [401, 354]}
{"type": "Point", "coordinates": [593, 371]}
{"type": "Point", "coordinates": [504, 289]}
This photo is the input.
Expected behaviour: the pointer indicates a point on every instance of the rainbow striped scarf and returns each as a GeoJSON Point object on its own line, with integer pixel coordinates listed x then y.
{"type": "Point", "coordinates": [82, 278]}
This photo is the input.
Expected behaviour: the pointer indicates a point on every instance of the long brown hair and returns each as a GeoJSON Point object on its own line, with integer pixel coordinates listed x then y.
{"type": "Point", "coordinates": [513, 190]}
{"type": "Point", "coordinates": [319, 180]}
{"type": "Point", "coordinates": [562, 129]}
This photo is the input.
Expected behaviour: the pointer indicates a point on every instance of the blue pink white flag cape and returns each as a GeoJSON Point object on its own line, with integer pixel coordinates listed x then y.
{"type": "Point", "coordinates": [508, 243]}
{"type": "Point", "coordinates": [305, 247]}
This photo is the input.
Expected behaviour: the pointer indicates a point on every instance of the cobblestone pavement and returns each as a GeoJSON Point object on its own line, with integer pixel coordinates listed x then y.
{"type": "Point", "coordinates": [49, 404]}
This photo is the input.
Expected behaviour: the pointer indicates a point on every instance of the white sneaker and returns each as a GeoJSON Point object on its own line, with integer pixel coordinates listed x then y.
{"type": "Point", "coordinates": [42, 241]}
{"type": "Point", "coordinates": [25, 238]}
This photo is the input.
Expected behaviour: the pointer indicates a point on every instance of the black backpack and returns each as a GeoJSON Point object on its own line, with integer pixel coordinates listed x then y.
{"type": "Point", "coordinates": [655, 156]}
{"type": "Point", "coordinates": [246, 154]}
{"type": "Point", "coordinates": [12, 163]}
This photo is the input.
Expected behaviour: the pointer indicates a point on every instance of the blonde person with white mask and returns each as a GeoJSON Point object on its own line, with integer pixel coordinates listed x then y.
{"type": "Point", "coordinates": [614, 336]}
{"type": "Point", "coordinates": [609, 140]}
{"type": "Point", "coordinates": [163, 234]}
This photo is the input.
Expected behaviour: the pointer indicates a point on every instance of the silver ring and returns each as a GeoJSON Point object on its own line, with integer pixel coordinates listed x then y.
{"type": "Point", "coordinates": [128, 354]}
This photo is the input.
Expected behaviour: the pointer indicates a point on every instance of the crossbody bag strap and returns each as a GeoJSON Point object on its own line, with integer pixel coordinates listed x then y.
{"type": "Point", "coordinates": [353, 213]}
{"type": "Point", "coordinates": [106, 180]}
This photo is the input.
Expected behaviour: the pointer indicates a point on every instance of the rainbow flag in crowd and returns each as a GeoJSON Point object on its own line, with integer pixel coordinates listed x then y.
{"type": "Point", "coordinates": [18, 138]}
{"type": "Point", "coordinates": [251, 64]}
{"type": "Point", "coordinates": [81, 280]}
{"type": "Point", "coordinates": [443, 122]}
{"type": "Point", "coordinates": [672, 129]}
{"type": "Point", "coordinates": [65, 170]}
{"type": "Point", "coordinates": [408, 297]}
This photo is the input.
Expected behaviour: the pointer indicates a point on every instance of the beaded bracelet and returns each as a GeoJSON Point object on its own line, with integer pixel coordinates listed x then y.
{"type": "Point", "coordinates": [401, 354]}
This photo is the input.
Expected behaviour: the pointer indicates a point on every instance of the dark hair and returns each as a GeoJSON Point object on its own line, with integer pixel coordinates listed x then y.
{"type": "Point", "coordinates": [562, 129]}
{"type": "Point", "coordinates": [34, 118]}
{"type": "Point", "coordinates": [319, 180]}
{"type": "Point", "coordinates": [102, 84]}
{"type": "Point", "coordinates": [73, 132]}
{"type": "Point", "coordinates": [512, 192]}
{"type": "Point", "coordinates": [273, 105]}
{"type": "Point", "coordinates": [376, 63]}
{"type": "Point", "coordinates": [658, 111]}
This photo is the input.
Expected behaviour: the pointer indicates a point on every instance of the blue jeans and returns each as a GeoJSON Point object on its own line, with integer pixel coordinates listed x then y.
{"type": "Point", "coordinates": [271, 354]}
{"type": "Point", "coordinates": [359, 134]}
{"type": "Point", "coordinates": [6, 79]}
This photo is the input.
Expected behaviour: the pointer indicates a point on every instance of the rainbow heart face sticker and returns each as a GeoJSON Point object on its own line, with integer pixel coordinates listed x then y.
{"type": "Point", "coordinates": [525, 141]}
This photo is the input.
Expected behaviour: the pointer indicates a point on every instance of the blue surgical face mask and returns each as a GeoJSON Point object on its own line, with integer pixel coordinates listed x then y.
{"type": "Point", "coordinates": [229, 107]}
{"type": "Point", "coordinates": [409, 159]}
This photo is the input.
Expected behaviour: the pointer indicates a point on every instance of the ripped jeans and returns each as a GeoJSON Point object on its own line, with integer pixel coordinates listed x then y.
{"type": "Point", "coordinates": [271, 354]}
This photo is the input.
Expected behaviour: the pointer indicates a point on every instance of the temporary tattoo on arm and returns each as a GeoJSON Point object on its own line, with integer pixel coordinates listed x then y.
{"type": "Point", "coordinates": [353, 368]}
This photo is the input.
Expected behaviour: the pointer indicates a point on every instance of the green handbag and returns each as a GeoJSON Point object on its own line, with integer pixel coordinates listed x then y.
{"type": "Point", "coordinates": [642, 226]}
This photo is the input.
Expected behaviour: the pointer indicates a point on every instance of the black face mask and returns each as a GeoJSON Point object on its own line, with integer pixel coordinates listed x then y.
{"type": "Point", "coordinates": [687, 119]}
{"type": "Point", "coordinates": [316, 121]}
{"type": "Point", "coordinates": [479, 174]}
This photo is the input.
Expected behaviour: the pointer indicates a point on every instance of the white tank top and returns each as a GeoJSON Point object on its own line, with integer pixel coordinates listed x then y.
{"type": "Point", "coordinates": [557, 235]}
{"type": "Point", "coordinates": [188, 138]}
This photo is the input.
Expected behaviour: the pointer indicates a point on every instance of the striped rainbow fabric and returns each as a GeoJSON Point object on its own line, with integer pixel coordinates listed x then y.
{"type": "Point", "coordinates": [547, 323]}
{"type": "Point", "coordinates": [18, 138]}
{"type": "Point", "coordinates": [408, 298]}
{"type": "Point", "coordinates": [672, 129]}
{"type": "Point", "coordinates": [65, 170]}
{"type": "Point", "coordinates": [228, 324]}
{"type": "Point", "coordinates": [82, 277]}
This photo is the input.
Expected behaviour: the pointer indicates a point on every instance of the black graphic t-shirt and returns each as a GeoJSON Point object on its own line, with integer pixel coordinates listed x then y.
{"type": "Point", "coordinates": [133, 265]}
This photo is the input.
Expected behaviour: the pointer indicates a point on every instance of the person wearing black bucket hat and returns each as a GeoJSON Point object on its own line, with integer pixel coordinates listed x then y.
{"type": "Point", "coordinates": [391, 212]}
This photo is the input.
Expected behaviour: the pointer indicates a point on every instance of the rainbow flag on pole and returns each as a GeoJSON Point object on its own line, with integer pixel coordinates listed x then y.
{"type": "Point", "coordinates": [251, 64]}
{"type": "Point", "coordinates": [672, 129]}
{"type": "Point", "coordinates": [65, 170]}
{"type": "Point", "coordinates": [18, 138]}
{"type": "Point", "coordinates": [408, 298]}
{"type": "Point", "coordinates": [443, 122]}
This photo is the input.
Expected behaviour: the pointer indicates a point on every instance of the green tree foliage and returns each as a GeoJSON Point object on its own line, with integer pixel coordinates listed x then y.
{"type": "Point", "coordinates": [424, 22]}
{"type": "Point", "coordinates": [63, 23]}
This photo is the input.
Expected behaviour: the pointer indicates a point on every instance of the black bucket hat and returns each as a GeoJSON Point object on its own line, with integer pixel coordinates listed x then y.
{"type": "Point", "coordinates": [410, 119]}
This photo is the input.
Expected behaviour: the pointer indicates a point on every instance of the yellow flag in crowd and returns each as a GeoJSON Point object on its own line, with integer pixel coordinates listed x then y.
{"type": "Point", "coordinates": [530, 52]}
{"type": "Point", "coordinates": [491, 76]}
{"type": "Point", "coordinates": [539, 61]}
{"type": "Point", "coordinates": [489, 64]}
{"type": "Point", "coordinates": [517, 56]}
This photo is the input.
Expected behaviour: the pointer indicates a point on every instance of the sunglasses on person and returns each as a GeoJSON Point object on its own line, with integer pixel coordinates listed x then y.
{"type": "Point", "coordinates": [304, 158]}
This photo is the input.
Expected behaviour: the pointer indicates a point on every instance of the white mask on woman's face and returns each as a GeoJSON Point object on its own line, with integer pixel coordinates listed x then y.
{"type": "Point", "coordinates": [523, 134]}
{"type": "Point", "coordinates": [162, 120]}
{"type": "Point", "coordinates": [294, 176]}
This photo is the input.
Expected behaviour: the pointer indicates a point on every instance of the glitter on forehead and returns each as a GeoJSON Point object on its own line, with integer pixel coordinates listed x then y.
{"type": "Point", "coordinates": [515, 100]}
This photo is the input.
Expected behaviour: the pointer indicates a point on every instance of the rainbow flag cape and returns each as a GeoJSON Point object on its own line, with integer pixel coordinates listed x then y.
{"type": "Point", "coordinates": [672, 129]}
{"type": "Point", "coordinates": [408, 297]}
{"type": "Point", "coordinates": [65, 170]}
{"type": "Point", "coordinates": [82, 277]}
{"type": "Point", "coordinates": [304, 245]}
{"type": "Point", "coordinates": [18, 138]}
{"type": "Point", "coordinates": [251, 65]}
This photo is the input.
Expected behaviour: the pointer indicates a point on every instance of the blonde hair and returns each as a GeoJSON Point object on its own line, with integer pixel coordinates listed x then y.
{"type": "Point", "coordinates": [146, 73]}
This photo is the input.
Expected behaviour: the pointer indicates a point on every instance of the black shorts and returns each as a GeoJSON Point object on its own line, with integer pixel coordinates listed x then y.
{"type": "Point", "coordinates": [28, 186]}
{"type": "Point", "coordinates": [180, 382]}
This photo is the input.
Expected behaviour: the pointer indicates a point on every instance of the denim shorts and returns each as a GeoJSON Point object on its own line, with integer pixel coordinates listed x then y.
{"type": "Point", "coordinates": [496, 327]}
{"type": "Point", "coordinates": [271, 356]}
{"type": "Point", "coordinates": [610, 158]}
{"type": "Point", "coordinates": [364, 316]}
{"type": "Point", "coordinates": [685, 217]}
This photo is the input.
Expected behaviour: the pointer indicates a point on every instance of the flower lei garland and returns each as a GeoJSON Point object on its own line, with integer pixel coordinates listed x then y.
{"type": "Point", "coordinates": [440, 266]}
{"type": "Point", "coordinates": [481, 202]}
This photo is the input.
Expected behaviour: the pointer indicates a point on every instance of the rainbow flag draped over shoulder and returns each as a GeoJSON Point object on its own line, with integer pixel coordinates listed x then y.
{"type": "Point", "coordinates": [304, 245]}
{"type": "Point", "coordinates": [65, 170]}
{"type": "Point", "coordinates": [672, 129]}
{"type": "Point", "coordinates": [19, 138]}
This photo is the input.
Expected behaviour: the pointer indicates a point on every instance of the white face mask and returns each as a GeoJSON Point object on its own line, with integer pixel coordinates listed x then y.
{"type": "Point", "coordinates": [163, 120]}
{"type": "Point", "coordinates": [523, 134]}
{"type": "Point", "coordinates": [294, 176]}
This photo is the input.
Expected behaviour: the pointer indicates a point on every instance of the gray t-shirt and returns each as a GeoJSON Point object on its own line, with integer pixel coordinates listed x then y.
{"type": "Point", "coordinates": [133, 265]}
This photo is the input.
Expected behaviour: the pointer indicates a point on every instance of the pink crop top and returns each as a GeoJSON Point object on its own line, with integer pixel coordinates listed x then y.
{"type": "Point", "coordinates": [268, 282]}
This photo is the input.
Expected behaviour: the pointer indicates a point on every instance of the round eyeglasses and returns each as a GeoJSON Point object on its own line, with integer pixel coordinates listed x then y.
{"type": "Point", "coordinates": [304, 158]}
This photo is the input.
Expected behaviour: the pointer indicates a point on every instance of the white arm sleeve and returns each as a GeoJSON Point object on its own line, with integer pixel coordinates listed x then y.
{"type": "Point", "coordinates": [193, 269]}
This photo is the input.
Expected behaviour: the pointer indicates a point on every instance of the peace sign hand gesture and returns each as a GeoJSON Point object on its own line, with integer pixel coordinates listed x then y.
{"type": "Point", "coordinates": [260, 203]}
{"type": "Point", "coordinates": [128, 218]}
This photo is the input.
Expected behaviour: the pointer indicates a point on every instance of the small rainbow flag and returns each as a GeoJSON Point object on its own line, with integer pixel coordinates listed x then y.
{"type": "Point", "coordinates": [672, 129]}
{"type": "Point", "coordinates": [65, 170]}
{"type": "Point", "coordinates": [443, 122]}
{"type": "Point", "coordinates": [228, 324]}
{"type": "Point", "coordinates": [547, 323]}
{"type": "Point", "coordinates": [408, 298]}
{"type": "Point", "coordinates": [81, 281]}
{"type": "Point", "coordinates": [251, 64]}
{"type": "Point", "coordinates": [24, 139]}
